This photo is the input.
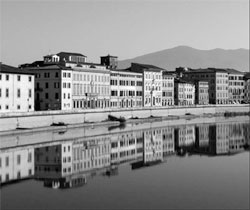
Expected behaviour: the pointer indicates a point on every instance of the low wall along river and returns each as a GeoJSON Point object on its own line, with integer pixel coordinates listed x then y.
{"type": "Point", "coordinates": [11, 121]}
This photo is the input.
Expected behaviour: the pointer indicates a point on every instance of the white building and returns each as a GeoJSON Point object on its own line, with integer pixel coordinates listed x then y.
{"type": "Point", "coordinates": [168, 140]}
{"type": "Point", "coordinates": [65, 81]}
{"type": "Point", "coordinates": [16, 90]}
{"type": "Point", "coordinates": [152, 83]}
{"type": "Point", "coordinates": [126, 89]}
{"type": "Point", "coordinates": [167, 89]}
{"type": "Point", "coordinates": [91, 86]}
{"type": "Point", "coordinates": [124, 146]}
{"type": "Point", "coordinates": [16, 164]}
{"type": "Point", "coordinates": [153, 145]}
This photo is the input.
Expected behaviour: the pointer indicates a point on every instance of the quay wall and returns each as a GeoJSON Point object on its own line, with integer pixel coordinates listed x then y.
{"type": "Point", "coordinates": [38, 138]}
{"type": "Point", "coordinates": [11, 121]}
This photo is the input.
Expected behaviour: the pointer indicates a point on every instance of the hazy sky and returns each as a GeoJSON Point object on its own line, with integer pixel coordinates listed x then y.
{"type": "Point", "coordinates": [32, 29]}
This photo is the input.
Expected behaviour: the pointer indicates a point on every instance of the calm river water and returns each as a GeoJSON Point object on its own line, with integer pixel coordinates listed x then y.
{"type": "Point", "coordinates": [182, 164]}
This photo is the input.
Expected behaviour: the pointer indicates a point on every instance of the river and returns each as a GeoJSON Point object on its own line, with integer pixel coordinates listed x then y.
{"type": "Point", "coordinates": [184, 164]}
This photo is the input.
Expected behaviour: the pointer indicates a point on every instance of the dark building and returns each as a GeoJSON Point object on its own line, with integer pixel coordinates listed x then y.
{"type": "Point", "coordinates": [201, 92]}
{"type": "Point", "coordinates": [111, 62]}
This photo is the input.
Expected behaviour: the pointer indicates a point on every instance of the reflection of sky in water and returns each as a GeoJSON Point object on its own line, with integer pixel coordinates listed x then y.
{"type": "Point", "coordinates": [150, 166]}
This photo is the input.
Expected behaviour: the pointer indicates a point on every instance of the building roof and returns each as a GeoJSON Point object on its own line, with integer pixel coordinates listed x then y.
{"type": "Point", "coordinates": [69, 54]}
{"type": "Point", "coordinates": [233, 71]}
{"type": "Point", "coordinates": [12, 70]}
{"type": "Point", "coordinates": [85, 63]}
{"type": "Point", "coordinates": [50, 55]}
{"type": "Point", "coordinates": [48, 67]}
{"type": "Point", "coordinates": [169, 73]}
{"type": "Point", "coordinates": [34, 64]}
{"type": "Point", "coordinates": [148, 66]}
{"type": "Point", "coordinates": [124, 71]}
{"type": "Point", "coordinates": [247, 76]}
{"type": "Point", "coordinates": [207, 70]}
{"type": "Point", "coordinates": [111, 56]}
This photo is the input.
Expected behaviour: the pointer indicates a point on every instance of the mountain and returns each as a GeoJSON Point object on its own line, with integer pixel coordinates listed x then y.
{"type": "Point", "coordinates": [189, 57]}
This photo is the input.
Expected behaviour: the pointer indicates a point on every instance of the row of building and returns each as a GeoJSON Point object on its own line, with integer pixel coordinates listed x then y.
{"type": "Point", "coordinates": [61, 163]}
{"type": "Point", "coordinates": [66, 81]}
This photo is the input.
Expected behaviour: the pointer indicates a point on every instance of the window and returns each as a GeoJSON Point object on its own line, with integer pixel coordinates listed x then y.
{"type": "Point", "coordinates": [7, 93]}
{"type": "Point", "coordinates": [6, 107]}
{"type": "Point", "coordinates": [7, 77]}
{"type": "Point", "coordinates": [47, 75]}
{"type": "Point", "coordinates": [18, 78]}
{"type": "Point", "coordinates": [46, 95]}
{"type": "Point", "coordinates": [18, 159]}
{"type": "Point", "coordinates": [0, 92]}
{"type": "Point", "coordinates": [6, 161]}
{"type": "Point", "coordinates": [30, 93]}
{"type": "Point", "coordinates": [29, 157]}
{"type": "Point", "coordinates": [56, 74]}
{"type": "Point", "coordinates": [56, 96]}
{"type": "Point", "coordinates": [30, 78]}
{"type": "Point", "coordinates": [18, 107]}
{"type": "Point", "coordinates": [56, 85]}
{"type": "Point", "coordinates": [46, 85]}
{"type": "Point", "coordinates": [18, 93]}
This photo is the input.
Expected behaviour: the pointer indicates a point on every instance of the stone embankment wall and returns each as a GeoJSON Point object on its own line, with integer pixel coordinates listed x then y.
{"type": "Point", "coordinates": [11, 121]}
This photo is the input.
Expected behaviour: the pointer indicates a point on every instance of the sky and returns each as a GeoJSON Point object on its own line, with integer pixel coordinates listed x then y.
{"type": "Point", "coordinates": [32, 29]}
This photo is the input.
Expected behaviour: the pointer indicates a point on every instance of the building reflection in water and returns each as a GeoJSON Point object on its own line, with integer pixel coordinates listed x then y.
{"type": "Point", "coordinates": [72, 163]}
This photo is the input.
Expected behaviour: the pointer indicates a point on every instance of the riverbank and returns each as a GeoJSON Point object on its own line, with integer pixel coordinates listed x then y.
{"type": "Point", "coordinates": [54, 134]}
{"type": "Point", "coordinates": [43, 120]}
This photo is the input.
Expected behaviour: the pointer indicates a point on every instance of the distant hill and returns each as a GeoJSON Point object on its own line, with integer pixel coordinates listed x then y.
{"type": "Point", "coordinates": [189, 57]}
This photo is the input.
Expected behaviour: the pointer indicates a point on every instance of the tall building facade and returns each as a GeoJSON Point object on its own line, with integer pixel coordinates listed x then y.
{"type": "Point", "coordinates": [201, 92]}
{"type": "Point", "coordinates": [218, 83]}
{"type": "Point", "coordinates": [184, 92]}
{"type": "Point", "coordinates": [152, 83]}
{"type": "Point", "coordinates": [167, 89]}
{"type": "Point", "coordinates": [235, 86]}
{"type": "Point", "coordinates": [126, 89]}
{"type": "Point", "coordinates": [247, 88]}
{"type": "Point", "coordinates": [53, 87]}
{"type": "Point", "coordinates": [91, 87]}
{"type": "Point", "coordinates": [65, 81]}
{"type": "Point", "coordinates": [14, 95]}
{"type": "Point", "coordinates": [16, 164]}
